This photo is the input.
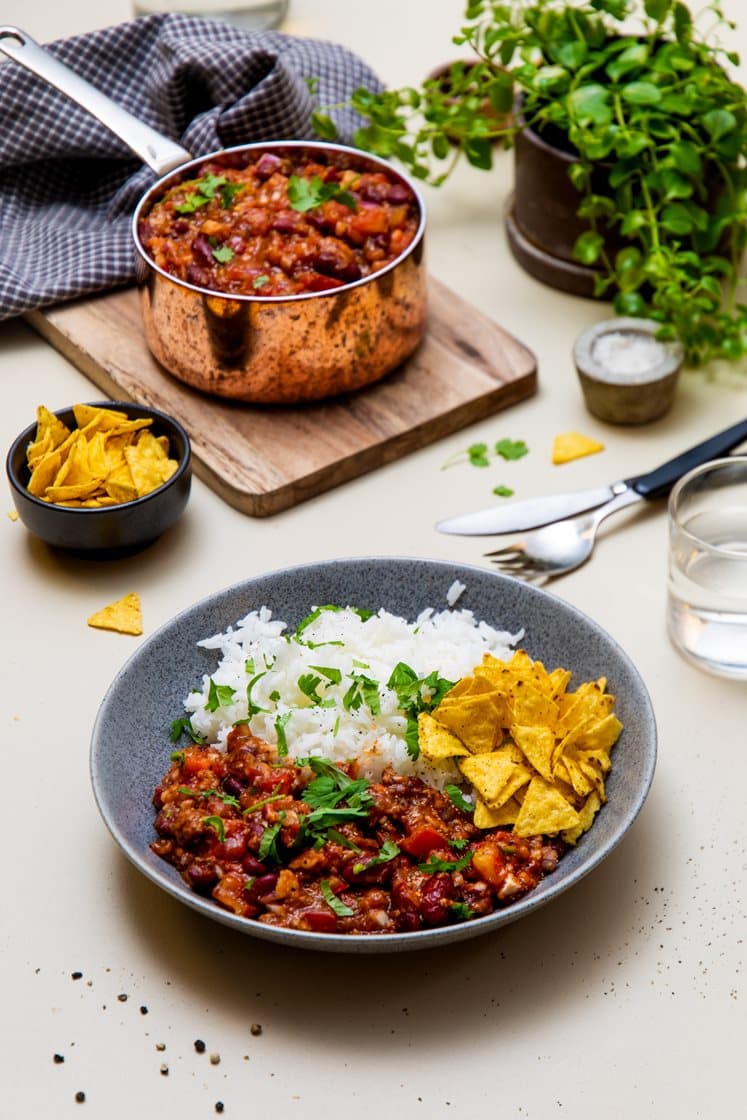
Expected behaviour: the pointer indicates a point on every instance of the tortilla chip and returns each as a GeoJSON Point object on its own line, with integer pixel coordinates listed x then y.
{"type": "Point", "coordinates": [437, 742]}
{"type": "Point", "coordinates": [496, 776]}
{"type": "Point", "coordinates": [544, 811]}
{"type": "Point", "coordinates": [107, 459]}
{"type": "Point", "coordinates": [474, 719]}
{"type": "Point", "coordinates": [586, 816]}
{"type": "Point", "coordinates": [485, 817]}
{"type": "Point", "coordinates": [124, 616]}
{"type": "Point", "coordinates": [537, 744]}
{"type": "Point", "coordinates": [573, 445]}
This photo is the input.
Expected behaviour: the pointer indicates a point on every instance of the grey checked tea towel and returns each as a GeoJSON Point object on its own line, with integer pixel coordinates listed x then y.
{"type": "Point", "coordinates": [68, 186]}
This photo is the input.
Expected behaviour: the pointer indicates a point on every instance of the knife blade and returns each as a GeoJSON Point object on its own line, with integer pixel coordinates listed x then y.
{"type": "Point", "coordinates": [531, 513]}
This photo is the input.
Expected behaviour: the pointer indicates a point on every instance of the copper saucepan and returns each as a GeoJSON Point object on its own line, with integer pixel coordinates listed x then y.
{"type": "Point", "coordinates": [281, 349]}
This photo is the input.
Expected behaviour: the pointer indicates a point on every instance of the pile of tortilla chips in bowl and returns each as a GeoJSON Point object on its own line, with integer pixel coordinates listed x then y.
{"type": "Point", "coordinates": [100, 479]}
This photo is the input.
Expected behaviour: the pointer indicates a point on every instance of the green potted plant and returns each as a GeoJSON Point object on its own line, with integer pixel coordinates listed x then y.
{"type": "Point", "coordinates": [630, 138]}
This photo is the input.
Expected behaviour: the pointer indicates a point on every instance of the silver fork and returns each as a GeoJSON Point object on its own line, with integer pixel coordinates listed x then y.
{"type": "Point", "coordinates": [553, 550]}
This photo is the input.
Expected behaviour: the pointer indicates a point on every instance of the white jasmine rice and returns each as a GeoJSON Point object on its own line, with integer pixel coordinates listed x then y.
{"type": "Point", "coordinates": [325, 688]}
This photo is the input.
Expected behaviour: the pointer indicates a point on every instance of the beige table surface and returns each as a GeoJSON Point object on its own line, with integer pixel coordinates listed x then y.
{"type": "Point", "coordinates": [624, 998]}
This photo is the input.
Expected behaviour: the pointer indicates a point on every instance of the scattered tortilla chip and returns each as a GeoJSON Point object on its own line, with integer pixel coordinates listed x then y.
{"type": "Point", "coordinates": [573, 445]}
{"type": "Point", "coordinates": [106, 460]}
{"type": "Point", "coordinates": [13, 514]}
{"type": "Point", "coordinates": [124, 616]}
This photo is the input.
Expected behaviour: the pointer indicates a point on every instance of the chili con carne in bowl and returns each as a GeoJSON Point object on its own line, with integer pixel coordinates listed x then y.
{"type": "Point", "coordinates": [278, 273]}
{"type": "Point", "coordinates": [304, 849]}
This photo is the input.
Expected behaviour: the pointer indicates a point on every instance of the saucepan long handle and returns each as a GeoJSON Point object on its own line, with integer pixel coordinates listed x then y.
{"type": "Point", "coordinates": [159, 152]}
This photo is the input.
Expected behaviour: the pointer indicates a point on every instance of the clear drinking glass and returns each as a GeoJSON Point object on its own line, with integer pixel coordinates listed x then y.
{"type": "Point", "coordinates": [251, 15]}
{"type": "Point", "coordinates": [707, 593]}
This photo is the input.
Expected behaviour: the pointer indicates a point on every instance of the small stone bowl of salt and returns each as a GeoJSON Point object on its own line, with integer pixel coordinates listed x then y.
{"type": "Point", "coordinates": [628, 376]}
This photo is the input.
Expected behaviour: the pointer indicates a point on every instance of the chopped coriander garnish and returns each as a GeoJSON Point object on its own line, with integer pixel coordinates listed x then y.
{"type": "Point", "coordinates": [280, 725]}
{"type": "Point", "coordinates": [461, 910]}
{"type": "Point", "coordinates": [223, 254]}
{"type": "Point", "coordinates": [219, 696]}
{"type": "Point", "coordinates": [260, 281]}
{"type": "Point", "coordinates": [217, 824]}
{"type": "Point", "coordinates": [333, 901]}
{"type": "Point", "coordinates": [275, 796]}
{"type": "Point", "coordinates": [416, 694]}
{"type": "Point", "coordinates": [511, 449]}
{"type": "Point", "coordinates": [183, 726]}
{"type": "Point", "coordinates": [312, 617]}
{"type": "Point", "coordinates": [343, 841]}
{"type": "Point", "coordinates": [332, 674]}
{"type": "Point", "coordinates": [307, 683]}
{"type": "Point", "coordinates": [387, 852]}
{"type": "Point", "coordinates": [251, 706]}
{"type": "Point", "coordinates": [362, 690]}
{"type": "Point", "coordinates": [480, 454]}
{"type": "Point", "coordinates": [459, 799]}
{"type": "Point", "coordinates": [435, 864]}
{"type": "Point", "coordinates": [177, 757]}
{"type": "Point", "coordinates": [226, 798]}
{"type": "Point", "coordinates": [503, 492]}
{"type": "Point", "coordinates": [307, 194]}
{"type": "Point", "coordinates": [268, 847]}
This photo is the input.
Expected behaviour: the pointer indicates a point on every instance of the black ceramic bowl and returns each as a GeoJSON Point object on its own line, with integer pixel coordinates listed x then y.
{"type": "Point", "coordinates": [110, 530]}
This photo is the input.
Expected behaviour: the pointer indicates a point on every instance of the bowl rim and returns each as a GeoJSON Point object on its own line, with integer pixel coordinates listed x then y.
{"type": "Point", "coordinates": [177, 174]}
{"type": "Point", "coordinates": [168, 880]}
{"type": "Point", "coordinates": [54, 509]}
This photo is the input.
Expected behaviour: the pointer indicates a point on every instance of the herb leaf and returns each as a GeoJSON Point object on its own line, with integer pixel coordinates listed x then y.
{"type": "Point", "coordinates": [308, 194]}
{"type": "Point", "coordinates": [216, 823]}
{"type": "Point", "coordinates": [333, 901]}
{"type": "Point", "coordinates": [459, 799]}
{"type": "Point", "coordinates": [219, 696]}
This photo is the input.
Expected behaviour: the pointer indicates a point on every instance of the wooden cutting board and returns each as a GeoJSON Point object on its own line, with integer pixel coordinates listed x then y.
{"type": "Point", "coordinates": [263, 459]}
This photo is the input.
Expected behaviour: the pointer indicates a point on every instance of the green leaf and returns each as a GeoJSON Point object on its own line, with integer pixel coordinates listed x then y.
{"type": "Point", "coordinates": [313, 616]}
{"type": "Point", "coordinates": [719, 122]}
{"type": "Point", "coordinates": [219, 696]}
{"type": "Point", "coordinates": [281, 722]}
{"type": "Point", "coordinates": [435, 864]}
{"type": "Point", "coordinates": [459, 799]}
{"type": "Point", "coordinates": [630, 303]}
{"type": "Point", "coordinates": [511, 449]}
{"type": "Point", "coordinates": [308, 194]}
{"type": "Point", "coordinates": [268, 845]}
{"type": "Point", "coordinates": [333, 901]}
{"type": "Point", "coordinates": [633, 58]}
{"type": "Point", "coordinates": [618, 9]}
{"type": "Point", "coordinates": [571, 55]}
{"type": "Point", "coordinates": [330, 672]}
{"type": "Point", "coordinates": [252, 708]}
{"type": "Point", "coordinates": [502, 491]}
{"type": "Point", "coordinates": [676, 219]}
{"type": "Point", "coordinates": [478, 455]}
{"type": "Point", "coordinates": [223, 254]}
{"type": "Point", "coordinates": [588, 247]}
{"type": "Point", "coordinates": [657, 9]}
{"type": "Point", "coordinates": [686, 157]}
{"type": "Point", "coordinates": [641, 93]}
{"type": "Point", "coordinates": [479, 152]}
{"type": "Point", "coordinates": [216, 823]}
{"type": "Point", "coordinates": [590, 103]}
{"type": "Point", "coordinates": [323, 125]}
{"type": "Point", "coordinates": [387, 852]}
{"type": "Point", "coordinates": [633, 221]}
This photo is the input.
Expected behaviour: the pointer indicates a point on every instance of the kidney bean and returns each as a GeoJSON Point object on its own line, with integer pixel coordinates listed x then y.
{"type": "Point", "coordinates": [437, 892]}
{"type": "Point", "coordinates": [197, 275]}
{"type": "Point", "coordinates": [398, 192]}
{"type": "Point", "coordinates": [202, 876]}
{"type": "Point", "coordinates": [267, 165]}
{"type": "Point", "coordinates": [287, 221]}
{"type": "Point", "coordinates": [233, 847]}
{"type": "Point", "coordinates": [252, 865]}
{"type": "Point", "coordinates": [202, 250]}
{"type": "Point", "coordinates": [232, 786]}
{"type": "Point", "coordinates": [262, 886]}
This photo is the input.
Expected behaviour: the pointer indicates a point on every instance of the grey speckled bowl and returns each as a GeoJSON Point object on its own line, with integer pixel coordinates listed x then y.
{"type": "Point", "coordinates": [128, 760]}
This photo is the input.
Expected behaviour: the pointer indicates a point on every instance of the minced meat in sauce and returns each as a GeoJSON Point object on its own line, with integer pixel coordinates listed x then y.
{"type": "Point", "coordinates": [282, 225]}
{"type": "Point", "coordinates": [308, 845]}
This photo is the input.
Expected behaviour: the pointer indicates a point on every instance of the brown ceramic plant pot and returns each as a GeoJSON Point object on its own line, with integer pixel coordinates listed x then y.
{"type": "Point", "coordinates": [542, 223]}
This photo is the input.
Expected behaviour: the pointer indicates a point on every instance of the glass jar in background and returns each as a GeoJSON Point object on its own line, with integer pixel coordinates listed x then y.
{"type": "Point", "coordinates": [251, 15]}
{"type": "Point", "coordinates": [707, 590]}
